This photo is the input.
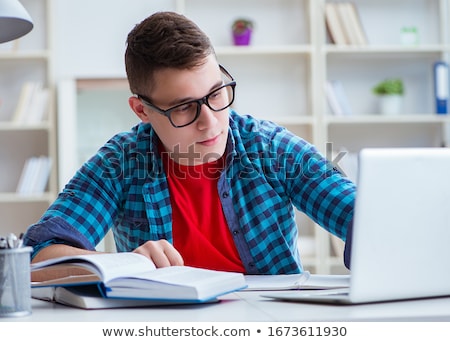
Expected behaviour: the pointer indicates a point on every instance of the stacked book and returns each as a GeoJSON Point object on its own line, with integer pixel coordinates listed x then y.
{"type": "Point", "coordinates": [34, 177]}
{"type": "Point", "coordinates": [344, 24]}
{"type": "Point", "coordinates": [33, 103]}
{"type": "Point", "coordinates": [337, 98]}
{"type": "Point", "coordinates": [128, 280]}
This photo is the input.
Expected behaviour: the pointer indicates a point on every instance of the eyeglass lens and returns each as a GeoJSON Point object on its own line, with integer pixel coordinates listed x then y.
{"type": "Point", "coordinates": [187, 113]}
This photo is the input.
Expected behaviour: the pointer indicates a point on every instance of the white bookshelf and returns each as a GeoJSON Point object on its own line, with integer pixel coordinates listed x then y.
{"type": "Point", "coordinates": [281, 75]}
{"type": "Point", "coordinates": [361, 67]}
{"type": "Point", "coordinates": [27, 59]}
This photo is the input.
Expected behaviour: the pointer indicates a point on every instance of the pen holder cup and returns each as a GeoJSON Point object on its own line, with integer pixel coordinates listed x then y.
{"type": "Point", "coordinates": [15, 282]}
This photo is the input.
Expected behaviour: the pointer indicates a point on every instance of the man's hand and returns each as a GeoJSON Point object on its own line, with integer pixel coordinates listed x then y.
{"type": "Point", "coordinates": [161, 252]}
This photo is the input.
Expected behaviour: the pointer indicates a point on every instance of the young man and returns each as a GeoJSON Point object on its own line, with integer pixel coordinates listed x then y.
{"type": "Point", "coordinates": [194, 183]}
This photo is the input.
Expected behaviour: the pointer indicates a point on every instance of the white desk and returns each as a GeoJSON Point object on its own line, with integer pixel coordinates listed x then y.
{"type": "Point", "coordinates": [247, 307]}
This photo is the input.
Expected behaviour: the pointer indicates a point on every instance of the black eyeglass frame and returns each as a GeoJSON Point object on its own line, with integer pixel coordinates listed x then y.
{"type": "Point", "coordinates": [204, 100]}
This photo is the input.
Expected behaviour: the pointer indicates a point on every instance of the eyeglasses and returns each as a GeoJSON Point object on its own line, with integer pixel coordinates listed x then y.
{"type": "Point", "coordinates": [186, 113]}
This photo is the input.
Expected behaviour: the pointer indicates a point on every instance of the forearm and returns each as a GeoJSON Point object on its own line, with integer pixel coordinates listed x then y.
{"type": "Point", "coordinates": [59, 250]}
{"type": "Point", "coordinates": [55, 251]}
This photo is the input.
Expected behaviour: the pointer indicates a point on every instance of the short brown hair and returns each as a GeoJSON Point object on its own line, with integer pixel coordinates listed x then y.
{"type": "Point", "coordinates": [163, 40]}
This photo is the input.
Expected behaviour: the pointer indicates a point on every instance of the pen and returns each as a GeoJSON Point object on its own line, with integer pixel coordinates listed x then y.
{"type": "Point", "coordinates": [2, 275]}
{"type": "Point", "coordinates": [3, 266]}
{"type": "Point", "coordinates": [20, 241]}
{"type": "Point", "coordinates": [3, 243]}
{"type": "Point", "coordinates": [11, 240]}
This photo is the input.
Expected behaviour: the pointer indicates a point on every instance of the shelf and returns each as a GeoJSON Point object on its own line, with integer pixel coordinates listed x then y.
{"type": "Point", "coordinates": [18, 55]}
{"type": "Point", "coordinates": [28, 59]}
{"type": "Point", "coordinates": [385, 119]}
{"type": "Point", "coordinates": [385, 49]}
{"type": "Point", "coordinates": [12, 126]}
{"type": "Point", "coordinates": [13, 197]}
{"type": "Point", "coordinates": [264, 50]}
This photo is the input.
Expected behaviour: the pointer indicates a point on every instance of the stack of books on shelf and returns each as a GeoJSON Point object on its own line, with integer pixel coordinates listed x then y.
{"type": "Point", "coordinates": [34, 177]}
{"type": "Point", "coordinates": [344, 24]}
{"type": "Point", "coordinates": [32, 106]}
{"type": "Point", "coordinates": [337, 98]}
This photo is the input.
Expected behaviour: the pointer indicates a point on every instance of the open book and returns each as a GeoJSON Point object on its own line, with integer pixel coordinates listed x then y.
{"type": "Point", "coordinates": [302, 281]}
{"type": "Point", "coordinates": [89, 297]}
{"type": "Point", "coordinates": [133, 276]}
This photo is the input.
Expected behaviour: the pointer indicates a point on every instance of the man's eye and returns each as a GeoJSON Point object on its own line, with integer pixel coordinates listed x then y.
{"type": "Point", "coordinates": [184, 108]}
{"type": "Point", "coordinates": [216, 94]}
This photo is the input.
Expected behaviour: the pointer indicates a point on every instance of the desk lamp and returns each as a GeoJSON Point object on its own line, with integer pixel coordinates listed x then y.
{"type": "Point", "coordinates": [15, 21]}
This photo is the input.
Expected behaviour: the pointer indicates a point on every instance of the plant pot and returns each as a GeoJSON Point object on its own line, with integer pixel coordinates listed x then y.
{"type": "Point", "coordinates": [391, 104]}
{"type": "Point", "coordinates": [242, 38]}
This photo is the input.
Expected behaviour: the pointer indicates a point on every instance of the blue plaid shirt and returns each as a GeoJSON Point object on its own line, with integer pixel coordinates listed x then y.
{"type": "Point", "coordinates": [268, 171]}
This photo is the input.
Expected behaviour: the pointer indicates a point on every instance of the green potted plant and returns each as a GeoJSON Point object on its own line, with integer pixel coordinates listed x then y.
{"type": "Point", "coordinates": [390, 92]}
{"type": "Point", "coordinates": [390, 86]}
{"type": "Point", "coordinates": [242, 29]}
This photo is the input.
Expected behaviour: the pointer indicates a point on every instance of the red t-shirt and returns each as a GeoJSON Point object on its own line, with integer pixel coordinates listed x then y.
{"type": "Point", "coordinates": [200, 230]}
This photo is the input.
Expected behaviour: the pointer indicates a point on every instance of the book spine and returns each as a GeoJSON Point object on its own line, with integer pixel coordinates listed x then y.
{"type": "Point", "coordinates": [32, 105]}
{"type": "Point", "coordinates": [34, 176]}
{"type": "Point", "coordinates": [345, 22]}
{"type": "Point", "coordinates": [333, 101]}
{"type": "Point", "coordinates": [23, 102]}
{"type": "Point", "coordinates": [333, 24]}
{"type": "Point", "coordinates": [42, 176]}
{"type": "Point", "coordinates": [24, 177]}
{"type": "Point", "coordinates": [37, 112]}
{"type": "Point", "coordinates": [341, 96]}
{"type": "Point", "coordinates": [359, 32]}
{"type": "Point", "coordinates": [441, 85]}
{"type": "Point", "coordinates": [28, 174]}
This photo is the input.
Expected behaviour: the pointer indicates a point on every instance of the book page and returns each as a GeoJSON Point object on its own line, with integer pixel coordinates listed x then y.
{"type": "Point", "coordinates": [78, 275]}
{"type": "Point", "coordinates": [328, 281]}
{"type": "Point", "coordinates": [275, 282]}
{"type": "Point", "coordinates": [304, 281]}
{"type": "Point", "coordinates": [176, 282]}
{"type": "Point", "coordinates": [107, 265]}
{"type": "Point", "coordinates": [114, 265]}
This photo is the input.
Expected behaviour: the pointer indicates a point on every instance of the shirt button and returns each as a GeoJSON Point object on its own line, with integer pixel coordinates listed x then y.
{"type": "Point", "coordinates": [235, 232]}
{"type": "Point", "coordinates": [225, 194]}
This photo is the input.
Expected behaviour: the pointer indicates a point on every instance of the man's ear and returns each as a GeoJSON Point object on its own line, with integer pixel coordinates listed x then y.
{"type": "Point", "coordinates": [138, 108]}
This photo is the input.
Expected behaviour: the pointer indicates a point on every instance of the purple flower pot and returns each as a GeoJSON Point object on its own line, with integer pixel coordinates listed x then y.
{"type": "Point", "coordinates": [242, 38]}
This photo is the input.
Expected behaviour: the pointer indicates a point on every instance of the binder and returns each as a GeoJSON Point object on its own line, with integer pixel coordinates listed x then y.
{"type": "Point", "coordinates": [441, 85]}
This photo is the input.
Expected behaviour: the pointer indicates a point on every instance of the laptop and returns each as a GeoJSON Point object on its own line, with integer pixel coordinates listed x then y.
{"type": "Point", "coordinates": [401, 231]}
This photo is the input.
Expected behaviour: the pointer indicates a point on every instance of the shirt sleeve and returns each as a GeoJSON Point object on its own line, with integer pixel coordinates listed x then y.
{"type": "Point", "coordinates": [316, 187]}
{"type": "Point", "coordinates": [85, 210]}
{"type": "Point", "coordinates": [53, 231]}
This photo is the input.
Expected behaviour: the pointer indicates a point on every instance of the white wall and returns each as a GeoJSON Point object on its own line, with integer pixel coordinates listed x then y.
{"type": "Point", "coordinates": [89, 35]}
{"type": "Point", "coordinates": [89, 42]}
